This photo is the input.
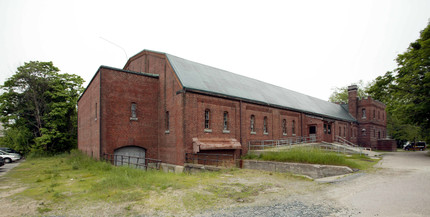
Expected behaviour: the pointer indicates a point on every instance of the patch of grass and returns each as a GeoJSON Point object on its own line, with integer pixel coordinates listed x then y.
{"type": "Point", "coordinates": [42, 210]}
{"type": "Point", "coordinates": [77, 178]}
{"type": "Point", "coordinates": [72, 181]}
{"type": "Point", "coordinates": [236, 191]}
{"type": "Point", "coordinates": [199, 200]}
{"type": "Point", "coordinates": [315, 156]}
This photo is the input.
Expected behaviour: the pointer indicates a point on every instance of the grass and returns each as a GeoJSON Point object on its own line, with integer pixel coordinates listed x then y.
{"type": "Point", "coordinates": [69, 182]}
{"type": "Point", "coordinates": [316, 156]}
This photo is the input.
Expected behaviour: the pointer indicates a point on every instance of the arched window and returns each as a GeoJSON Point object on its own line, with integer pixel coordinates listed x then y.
{"type": "Point", "coordinates": [252, 124]}
{"type": "Point", "coordinates": [265, 130]}
{"type": "Point", "coordinates": [207, 119]}
{"type": "Point", "coordinates": [293, 128]}
{"type": "Point", "coordinates": [284, 127]}
{"type": "Point", "coordinates": [225, 121]}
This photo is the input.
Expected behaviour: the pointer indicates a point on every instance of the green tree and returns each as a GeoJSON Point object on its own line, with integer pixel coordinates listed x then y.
{"type": "Point", "coordinates": [341, 94]}
{"type": "Point", "coordinates": [38, 108]}
{"type": "Point", "coordinates": [406, 90]}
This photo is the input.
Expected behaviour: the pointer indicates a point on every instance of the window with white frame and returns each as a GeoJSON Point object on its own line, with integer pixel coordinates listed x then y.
{"type": "Point", "coordinates": [252, 124]}
{"type": "Point", "coordinates": [265, 130]}
{"type": "Point", "coordinates": [225, 122]}
{"type": "Point", "coordinates": [207, 119]}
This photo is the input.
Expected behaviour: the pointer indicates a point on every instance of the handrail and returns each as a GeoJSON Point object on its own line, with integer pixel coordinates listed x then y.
{"type": "Point", "coordinates": [262, 144]}
{"type": "Point", "coordinates": [345, 141]}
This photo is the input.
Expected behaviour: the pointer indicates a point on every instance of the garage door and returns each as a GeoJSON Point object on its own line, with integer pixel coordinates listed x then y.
{"type": "Point", "coordinates": [131, 155]}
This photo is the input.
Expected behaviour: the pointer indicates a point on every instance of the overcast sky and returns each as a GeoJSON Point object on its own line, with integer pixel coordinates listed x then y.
{"type": "Point", "coordinates": [306, 46]}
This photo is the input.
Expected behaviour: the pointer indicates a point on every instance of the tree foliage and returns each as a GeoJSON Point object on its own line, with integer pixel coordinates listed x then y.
{"type": "Point", "coordinates": [38, 108]}
{"type": "Point", "coordinates": [406, 90]}
{"type": "Point", "coordinates": [341, 94]}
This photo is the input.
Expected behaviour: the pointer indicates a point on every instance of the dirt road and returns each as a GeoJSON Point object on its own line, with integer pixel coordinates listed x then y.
{"type": "Point", "coordinates": [401, 187]}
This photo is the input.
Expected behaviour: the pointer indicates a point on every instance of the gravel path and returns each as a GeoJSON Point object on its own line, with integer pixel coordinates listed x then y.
{"type": "Point", "coordinates": [399, 187]}
{"type": "Point", "coordinates": [293, 209]}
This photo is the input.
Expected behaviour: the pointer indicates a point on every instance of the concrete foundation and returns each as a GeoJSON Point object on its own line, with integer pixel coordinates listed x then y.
{"type": "Point", "coordinates": [314, 171]}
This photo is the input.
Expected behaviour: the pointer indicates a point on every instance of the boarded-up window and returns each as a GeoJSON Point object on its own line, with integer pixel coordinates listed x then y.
{"type": "Point", "coordinates": [284, 127]}
{"type": "Point", "coordinates": [265, 130]}
{"type": "Point", "coordinates": [293, 127]}
{"type": "Point", "coordinates": [167, 121]}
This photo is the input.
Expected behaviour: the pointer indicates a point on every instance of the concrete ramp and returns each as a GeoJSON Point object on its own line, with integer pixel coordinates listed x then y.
{"type": "Point", "coordinates": [334, 147]}
{"type": "Point", "coordinates": [352, 149]}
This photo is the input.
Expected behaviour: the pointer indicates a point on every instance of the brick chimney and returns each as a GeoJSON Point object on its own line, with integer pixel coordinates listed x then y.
{"type": "Point", "coordinates": [352, 100]}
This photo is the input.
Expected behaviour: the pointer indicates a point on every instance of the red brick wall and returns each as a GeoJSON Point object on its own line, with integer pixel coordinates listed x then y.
{"type": "Point", "coordinates": [119, 91]}
{"type": "Point", "coordinates": [239, 120]}
{"type": "Point", "coordinates": [373, 123]}
{"type": "Point", "coordinates": [88, 119]}
{"type": "Point", "coordinates": [154, 97]}
{"type": "Point", "coordinates": [171, 141]}
{"type": "Point", "coordinates": [387, 145]}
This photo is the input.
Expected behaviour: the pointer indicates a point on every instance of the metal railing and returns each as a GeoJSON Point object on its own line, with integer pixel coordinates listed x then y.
{"type": "Point", "coordinates": [254, 145]}
{"type": "Point", "coordinates": [344, 141]}
{"type": "Point", "coordinates": [347, 143]}
{"type": "Point", "coordinates": [132, 161]}
{"type": "Point", "coordinates": [226, 160]}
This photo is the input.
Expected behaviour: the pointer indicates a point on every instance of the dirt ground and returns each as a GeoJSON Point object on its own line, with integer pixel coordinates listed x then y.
{"type": "Point", "coordinates": [399, 187]}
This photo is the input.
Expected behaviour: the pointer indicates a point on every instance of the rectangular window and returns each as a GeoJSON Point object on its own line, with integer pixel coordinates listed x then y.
{"type": "Point", "coordinates": [329, 129]}
{"type": "Point", "coordinates": [225, 120]}
{"type": "Point", "coordinates": [167, 122]}
{"type": "Point", "coordinates": [225, 123]}
{"type": "Point", "coordinates": [284, 127]}
{"type": "Point", "coordinates": [133, 112]}
{"type": "Point", "coordinates": [363, 113]}
{"type": "Point", "coordinates": [325, 128]}
{"type": "Point", "coordinates": [252, 124]}
{"type": "Point", "coordinates": [265, 130]}
{"type": "Point", "coordinates": [293, 128]}
{"type": "Point", "coordinates": [207, 119]}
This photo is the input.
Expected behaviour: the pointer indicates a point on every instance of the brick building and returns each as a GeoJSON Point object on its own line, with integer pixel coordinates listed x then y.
{"type": "Point", "coordinates": [162, 106]}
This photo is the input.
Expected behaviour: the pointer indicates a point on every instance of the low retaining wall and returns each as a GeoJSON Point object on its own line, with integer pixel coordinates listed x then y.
{"type": "Point", "coordinates": [193, 168]}
{"type": "Point", "coordinates": [387, 145]}
{"type": "Point", "coordinates": [314, 171]}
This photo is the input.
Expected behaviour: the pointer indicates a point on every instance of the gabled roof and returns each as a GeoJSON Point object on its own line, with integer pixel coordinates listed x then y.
{"type": "Point", "coordinates": [199, 77]}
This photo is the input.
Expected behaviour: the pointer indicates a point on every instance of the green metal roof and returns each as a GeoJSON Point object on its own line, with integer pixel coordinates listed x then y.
{"type": "Point", "coordinates": [196, 76]}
